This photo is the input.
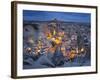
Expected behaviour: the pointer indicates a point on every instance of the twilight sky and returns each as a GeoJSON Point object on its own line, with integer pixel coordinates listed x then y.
{"type": "Point", "coordinates": [30, 15]}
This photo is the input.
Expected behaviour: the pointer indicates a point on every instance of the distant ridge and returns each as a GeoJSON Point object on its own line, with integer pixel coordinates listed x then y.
{"type": "Point", "coordinates": [69, 22]}
{"type": "Point", "coordinates": [54, 21]}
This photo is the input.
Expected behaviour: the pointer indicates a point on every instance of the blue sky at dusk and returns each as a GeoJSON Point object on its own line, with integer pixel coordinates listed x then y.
{"type": "Point", "coordinates": [30, 15]}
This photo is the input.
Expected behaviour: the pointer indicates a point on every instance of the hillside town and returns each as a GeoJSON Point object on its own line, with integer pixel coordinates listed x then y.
{"type": "Point", "coordinates": [55, 43]}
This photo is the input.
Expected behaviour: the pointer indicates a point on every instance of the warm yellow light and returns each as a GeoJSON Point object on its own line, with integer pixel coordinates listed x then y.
{"type": "Point", "coordinates": [63, 48]}
{"type": "Point", "coordinates": [38, 51]}
{"type": "Point", "coordinates": [59, 38]}
{"type": "Point", "coordinates": [82, 49]}
{"type": "Point", "coordinates": [49, 36]}
{"type": "Point", "coordinates": [57, 41]}
{"type": "Point", "coordinates": [54, 32]}
{"type": "Point", "coordinates": [53, 39]}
